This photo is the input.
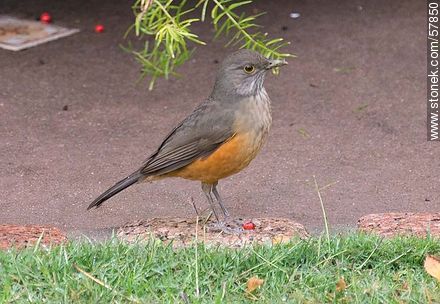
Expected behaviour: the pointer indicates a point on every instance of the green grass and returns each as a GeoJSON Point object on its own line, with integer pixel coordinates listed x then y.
{"type": "Point", "coordinates": [375, 270]}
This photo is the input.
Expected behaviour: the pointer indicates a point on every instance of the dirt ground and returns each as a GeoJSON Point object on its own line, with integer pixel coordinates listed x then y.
{"type": "Point", "coordinates": [349, 109]}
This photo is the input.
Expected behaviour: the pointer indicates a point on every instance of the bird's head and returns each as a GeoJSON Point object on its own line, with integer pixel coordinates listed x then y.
{"type": "Point", "coordinates": [242, 73]}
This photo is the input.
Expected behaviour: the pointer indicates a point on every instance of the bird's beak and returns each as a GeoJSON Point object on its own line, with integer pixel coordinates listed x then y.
{"type": "Point", "coordinates": [275, 63]}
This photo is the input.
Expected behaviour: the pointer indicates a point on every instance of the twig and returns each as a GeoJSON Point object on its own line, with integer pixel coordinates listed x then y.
{"type": "Point", "coordinates": [207, 218]}
{"type": "Point", "coordinates": [328, 185]}
{"type": "Point", "coordinates": [194, 206]}
{"type": "Point", "coordinates": [145, 4]}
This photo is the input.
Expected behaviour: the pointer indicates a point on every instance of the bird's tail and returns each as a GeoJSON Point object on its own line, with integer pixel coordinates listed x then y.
{"type": "Point", "coordinates": [118, 187]}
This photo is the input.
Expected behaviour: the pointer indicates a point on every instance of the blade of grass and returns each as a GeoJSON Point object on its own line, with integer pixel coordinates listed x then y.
{"type": "Point", "coordinates": [88, 275]}
{"type": "Point", "coordinates": [324, 214]}
{"type": "Point", "coordinates": [271, 263]}
{"type": "Point", "coordinates": [371, 254]}
{"type": "Point", "coordinates": [37, 245]}
{"type": "Point", "coordinates": [197, 257]}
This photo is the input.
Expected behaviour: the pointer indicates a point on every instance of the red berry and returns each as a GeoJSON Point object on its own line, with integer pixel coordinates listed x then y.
{"type": "Point", "coordinates": [99, 28]}
{"type": "Point", "coordinates": [249, 226]}
{"type": "Point", "coordinates": [45, 17]}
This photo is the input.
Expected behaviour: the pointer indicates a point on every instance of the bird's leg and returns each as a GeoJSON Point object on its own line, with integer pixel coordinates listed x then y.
{"type": "Point", "coordinates": [219, 199]}
{"type": "Point", "coordinates": [221, 226]}
{"type": "Point", "coordinates": [207, 189]}
{"type": "Point", "coordinates": [228, 225]}
{"type": "Point", "coordinates": [228, 218]}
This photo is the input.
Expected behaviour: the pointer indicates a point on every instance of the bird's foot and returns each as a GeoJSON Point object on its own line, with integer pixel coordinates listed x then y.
{"type": "Point", "coordinates": [228, 226]}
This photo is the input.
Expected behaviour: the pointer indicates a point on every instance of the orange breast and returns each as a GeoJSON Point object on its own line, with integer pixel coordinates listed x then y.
{"type": "Point", "coordinates": [228, 159]}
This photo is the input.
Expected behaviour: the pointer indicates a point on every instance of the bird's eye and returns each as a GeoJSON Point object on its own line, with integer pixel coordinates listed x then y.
{"type": "Point", "coordinates": [249, 69]}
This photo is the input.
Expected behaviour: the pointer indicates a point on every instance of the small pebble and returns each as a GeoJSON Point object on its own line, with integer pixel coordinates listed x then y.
{"type": "Point", "coordinates": [294, 15]}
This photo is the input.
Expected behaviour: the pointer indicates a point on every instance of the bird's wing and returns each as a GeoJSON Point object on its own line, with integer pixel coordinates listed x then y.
{"type": "Point", "coordinates": [196, 137]}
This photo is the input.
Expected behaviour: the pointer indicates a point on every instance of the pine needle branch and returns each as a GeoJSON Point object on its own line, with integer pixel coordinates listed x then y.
{"type": "Point", "coordinates": [162, 24]}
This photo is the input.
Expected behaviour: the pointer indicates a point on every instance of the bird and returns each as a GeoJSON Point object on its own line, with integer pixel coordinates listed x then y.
{"type": "Point", "coordinates": [220, 137]}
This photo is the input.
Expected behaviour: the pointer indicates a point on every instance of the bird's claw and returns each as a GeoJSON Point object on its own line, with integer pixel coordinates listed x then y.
{"type": "Point", "coordinates": [228, 226]}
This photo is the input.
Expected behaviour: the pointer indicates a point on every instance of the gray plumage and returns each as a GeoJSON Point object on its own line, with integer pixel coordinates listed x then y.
{"type": "Point", "coordinates": [212, 123]}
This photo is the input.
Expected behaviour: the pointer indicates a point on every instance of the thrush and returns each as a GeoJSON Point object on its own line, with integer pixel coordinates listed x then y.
{"type": "Point", "coordinates": [220, 137]}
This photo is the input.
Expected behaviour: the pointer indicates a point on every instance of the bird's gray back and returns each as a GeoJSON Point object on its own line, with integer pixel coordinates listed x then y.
{"type": "Point", "coordinates": [198, 135]}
